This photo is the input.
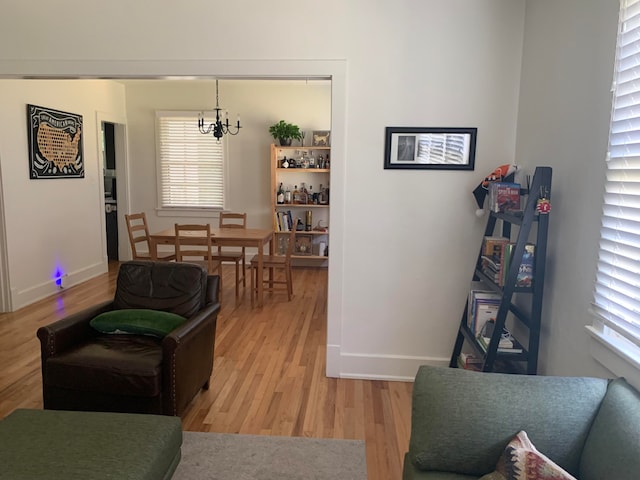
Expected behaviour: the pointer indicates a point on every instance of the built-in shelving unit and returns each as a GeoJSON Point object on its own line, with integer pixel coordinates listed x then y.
{"type": "Point", "coordinates": [302, 168]}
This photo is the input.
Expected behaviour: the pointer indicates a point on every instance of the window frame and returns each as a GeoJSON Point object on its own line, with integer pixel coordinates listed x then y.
{"type": "Point", "coordinates": [612, 343]}
{"type": "Point", "coordinates": [188, 211]}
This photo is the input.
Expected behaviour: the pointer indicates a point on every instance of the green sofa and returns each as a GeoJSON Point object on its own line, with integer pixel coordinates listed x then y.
{"type": "Point", "coordinates": [62, 445]}
{"type": "Point", "coordinates": [462, 421]}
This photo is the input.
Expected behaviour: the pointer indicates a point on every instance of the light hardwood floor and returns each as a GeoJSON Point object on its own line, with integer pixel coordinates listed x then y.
{"type": "Point", "coordinates": [268, 375]}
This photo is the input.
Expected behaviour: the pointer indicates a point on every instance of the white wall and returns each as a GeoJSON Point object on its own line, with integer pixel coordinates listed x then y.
{"type": "Point", "coordinates": [563, 122]}
{"type": "Point", "coordinates": [404, 244]}
{"type": "Point", "coordinates": [53, 223]}
{"type": "Point", "coordinates": [260, 103]}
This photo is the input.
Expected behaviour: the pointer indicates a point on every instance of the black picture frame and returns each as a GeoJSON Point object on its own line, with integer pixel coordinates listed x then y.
{"type": "Point", "coordinates": [430, 148]}
{"type": "Point", "coordinates": [55, 143]}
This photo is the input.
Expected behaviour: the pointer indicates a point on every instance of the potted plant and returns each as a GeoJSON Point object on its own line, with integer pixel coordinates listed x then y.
{"type": "Point", "coordinates": [285, 132]}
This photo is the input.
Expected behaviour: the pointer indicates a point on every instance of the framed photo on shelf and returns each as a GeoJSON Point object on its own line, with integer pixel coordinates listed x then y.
{"type": "Point", "coordinates": [320, 138]}
{"type": "Point", "coordinates": [430, 148]}
{"type": "Point", "coordinates": [303, 245]}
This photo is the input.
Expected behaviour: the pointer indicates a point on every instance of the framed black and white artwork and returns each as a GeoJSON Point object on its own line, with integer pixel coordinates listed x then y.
{"type": "Point", "coordinates": [435, 148]}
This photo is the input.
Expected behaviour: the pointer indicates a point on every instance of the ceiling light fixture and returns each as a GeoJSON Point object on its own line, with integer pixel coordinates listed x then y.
{"type": "Point", "coordinates": [219, 128]}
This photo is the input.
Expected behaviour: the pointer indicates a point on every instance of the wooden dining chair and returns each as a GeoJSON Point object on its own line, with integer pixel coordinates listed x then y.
{"type": "Point", "coordinates": [233, 220]}
{"type": "Point", "coordinates": [194, 245]}
{"type": "Point", "coordinates": [276, 262]}
{"type": "Point", "coordinates": [139, 234]}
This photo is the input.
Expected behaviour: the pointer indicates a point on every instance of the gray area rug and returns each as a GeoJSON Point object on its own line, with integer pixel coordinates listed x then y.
{"type": "Point", "coordinates": [227, 456]}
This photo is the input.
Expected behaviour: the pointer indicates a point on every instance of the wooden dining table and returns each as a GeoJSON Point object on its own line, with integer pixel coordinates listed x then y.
{"type": "Point", "coordinates": [225, 237]}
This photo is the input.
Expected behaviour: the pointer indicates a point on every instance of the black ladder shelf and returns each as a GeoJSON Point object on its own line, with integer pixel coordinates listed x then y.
{"type": "Point", "coordinates": [527, 360]}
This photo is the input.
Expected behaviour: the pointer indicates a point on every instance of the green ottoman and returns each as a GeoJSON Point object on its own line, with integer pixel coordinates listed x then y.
{"type": "Point", "coordinates": [52, 445]}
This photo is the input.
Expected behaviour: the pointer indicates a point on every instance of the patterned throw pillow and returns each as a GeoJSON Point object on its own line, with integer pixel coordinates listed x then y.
{"type": "Point", "coordinates": [522, 461]}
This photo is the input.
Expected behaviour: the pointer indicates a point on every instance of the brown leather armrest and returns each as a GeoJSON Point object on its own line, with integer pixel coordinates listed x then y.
{"type": "Point", "coordinates": [188, 329]}
{"type": "Point", "coordinates": [213, 289]}
{"type": "Point", "coordinates": [58, 336]}
{"type": "Point", "coordinates": [188, 358]}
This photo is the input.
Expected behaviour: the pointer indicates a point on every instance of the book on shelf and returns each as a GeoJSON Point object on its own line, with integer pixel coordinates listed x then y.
{"type": "Point", "coordinates": [485, 310]}
{"type": "Point", "coordinates": [484, 343]}
{"type": "Point", "coordinates": [492, 258]}
{"type": "Point", "coordinates": [508, 252]}
{"type": "Point", "coordinates": [470, 362]}
{"type": "Point", "coordinates": [482, 306]}
{"type": "Point", "coordinates": [491, 246]}
{"type": "Point", "coordinates": [525, 275]}
{"type": "Point", "coordinates": [283, 221]}
{"type": "Point", "coordinates": [504, 197]}
{"type": "Point", "coordinates": [473, 367]}
{"type": "Point", "coordinates": [289, 220]}
{"type": "Point", "coordinates": [506, 344]}
{"type": "Point", "coordinates": [492, 268]}
{"type": "Point", "coordinates": [525, 271]}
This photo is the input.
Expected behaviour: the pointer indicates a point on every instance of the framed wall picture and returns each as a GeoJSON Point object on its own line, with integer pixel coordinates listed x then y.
{"type": "Point", "coordinates": [434, 148]}
{"type": "Point", "coordinates": [320, 138]}
{"type": "Point", "coordinates": [55, 143]}
{"type": "Point", "coordinates": [303, 245]}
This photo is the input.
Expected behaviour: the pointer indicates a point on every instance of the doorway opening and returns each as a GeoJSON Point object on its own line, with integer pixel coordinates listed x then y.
{"type": "Point", "coordinates": [250, 69]}
{"type": "Point", "coordinates": [110, 189]}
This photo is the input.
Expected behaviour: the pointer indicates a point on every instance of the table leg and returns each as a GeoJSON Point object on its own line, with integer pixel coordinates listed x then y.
{"type": "Point", "coordinates": [272, 251]}
{"type": "Point", "coordinates": [260, 273]}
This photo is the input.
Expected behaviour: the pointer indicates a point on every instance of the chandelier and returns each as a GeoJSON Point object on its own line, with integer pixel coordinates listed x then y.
{"type": "Point", "coordinates": [220, 127]}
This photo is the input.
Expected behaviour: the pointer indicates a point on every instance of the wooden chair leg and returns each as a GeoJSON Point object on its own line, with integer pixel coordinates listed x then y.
{"type": "Point", "coordinates": [218, 269]}
{"type": "Point", "coordinates": [244, 271]}
{"type": "Point", "coordinates": [251, 283]}
{"type": "Point", "coordinates": [289, 283]}
{"type": "Point", "coordinates": [237, 279]}
{"type": "Point", "coordinates": [290, 279]}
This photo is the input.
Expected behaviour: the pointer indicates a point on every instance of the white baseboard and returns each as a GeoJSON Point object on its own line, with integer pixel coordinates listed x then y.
{"type": "Point", "coordinates": [376, 367]}
{"type": "Point", "coordinates": [333, 361]}
{"type": "Point", "coordinates": [22, 298]}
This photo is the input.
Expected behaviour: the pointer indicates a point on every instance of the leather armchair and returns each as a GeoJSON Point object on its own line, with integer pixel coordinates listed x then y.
{"type": "Point", "coordinates": [83, 369]}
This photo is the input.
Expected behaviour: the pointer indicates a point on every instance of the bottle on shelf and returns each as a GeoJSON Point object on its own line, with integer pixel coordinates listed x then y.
{"type": "Point", "coordinates": [323, 195]}
{"type": "Point", "coordinates": [304, 194]}
{"type": "Point", "coordinates": [287, 195]}
{"type": "Point", "coordinates": [285, 162]}
{"type": "Point", "coordinates": [280, 197]}
{"type": "Point", "coordinates": [296, 195]}
{"type": "Point", "coordinates": [310, 195]}
{"type": "Point", "coordinates": [308, 220]}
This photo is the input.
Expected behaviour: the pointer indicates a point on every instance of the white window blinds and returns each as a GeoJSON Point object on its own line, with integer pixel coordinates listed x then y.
{"type": "Point", "coordinates": [190, 164]}
{"type": "Point", "coordinates": [617, 290]}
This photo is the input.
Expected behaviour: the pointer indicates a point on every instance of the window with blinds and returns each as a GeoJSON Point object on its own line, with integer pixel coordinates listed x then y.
{"type": "Point", "coordinates": [616, 303]}
{"type": "Point", "coordinates": [190, 164]}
